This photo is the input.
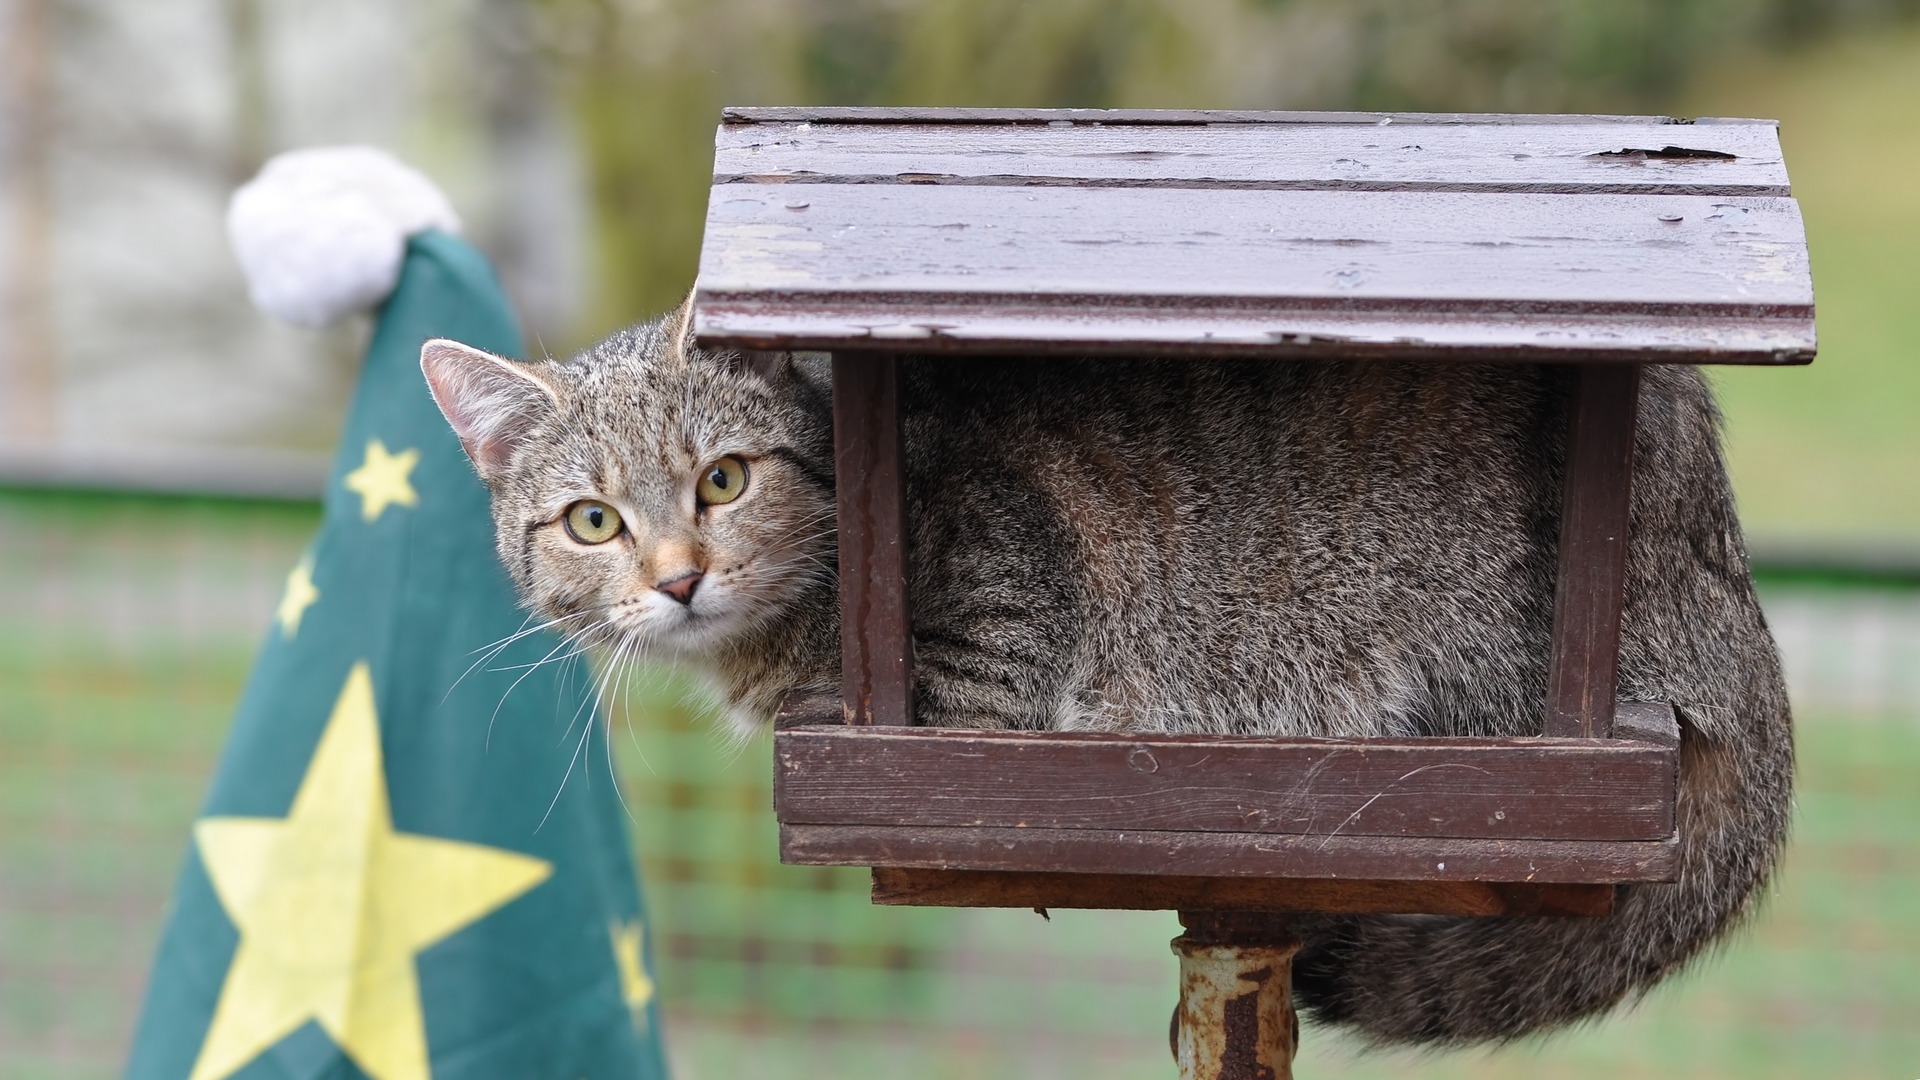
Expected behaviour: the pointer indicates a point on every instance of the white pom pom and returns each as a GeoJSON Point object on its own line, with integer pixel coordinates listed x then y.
{"type": "Point", "coordinates": [321, 233]}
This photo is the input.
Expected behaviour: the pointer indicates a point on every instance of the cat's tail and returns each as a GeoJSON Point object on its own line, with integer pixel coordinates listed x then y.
{"type": "Point", "coordinates": [1439, 980]}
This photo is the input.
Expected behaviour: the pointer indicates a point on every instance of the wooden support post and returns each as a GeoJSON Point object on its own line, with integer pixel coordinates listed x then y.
{"type": "Point", "coordinates": [876, 642]}
{"type": "Point", "coordinates": [1591, 590]}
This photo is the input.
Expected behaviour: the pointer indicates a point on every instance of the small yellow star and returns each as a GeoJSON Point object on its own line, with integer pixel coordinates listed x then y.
{"type": "Point", "coordinates": [298, 596]}
{"type": "Point", "coordinates": [382, 481]}
{"type": "Point", "coordinates": [636, 987]}
{"type": "Point", "coordinates": [332, 905]}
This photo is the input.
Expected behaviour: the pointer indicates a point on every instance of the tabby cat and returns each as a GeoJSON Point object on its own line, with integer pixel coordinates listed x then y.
{"type": "Point", "coordinates": [1268, 548]}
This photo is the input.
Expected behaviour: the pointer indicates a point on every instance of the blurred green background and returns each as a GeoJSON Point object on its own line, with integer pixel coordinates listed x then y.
{"type": "Point", "coordinates": [1827, 454]}
{"type": "Point", "coordinates": [128, 626]}
{"type": "Point", "coordinates": [127, 621]}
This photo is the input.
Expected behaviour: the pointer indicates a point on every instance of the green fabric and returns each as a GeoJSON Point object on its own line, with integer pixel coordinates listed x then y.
{"type": "Point", "coordinates": [531, 989]}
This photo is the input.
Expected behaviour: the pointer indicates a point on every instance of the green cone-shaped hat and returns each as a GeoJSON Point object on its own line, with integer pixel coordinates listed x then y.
{"type": "Point", "coordinates": [410, 864]}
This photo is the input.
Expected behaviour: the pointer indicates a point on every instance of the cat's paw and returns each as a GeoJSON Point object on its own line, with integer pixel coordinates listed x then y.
{"type": "Point", "coordinates": [321, 233]}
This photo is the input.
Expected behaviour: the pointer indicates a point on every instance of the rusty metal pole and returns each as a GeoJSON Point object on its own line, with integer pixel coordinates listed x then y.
{"type": "Point", "coordinates": [1235, 1020]}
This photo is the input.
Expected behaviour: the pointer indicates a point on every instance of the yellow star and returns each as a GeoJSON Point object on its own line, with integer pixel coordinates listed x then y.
{"type": "Point", "coordinates": [382, 481]}
{"type": "Point", "coordinates": [635, 986]}
{"type": "Point", "coordinates": [298, 596]}
{"type": "Point", "coordinates": [332, 905]}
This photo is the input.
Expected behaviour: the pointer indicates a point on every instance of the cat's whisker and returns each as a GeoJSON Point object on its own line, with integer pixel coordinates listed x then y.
{"type": "Point", "coordinates": [795, 537]}
{"type": "Point", "coordinates": [500, 646]}
{"type": "Point", "coordinates": [824, 561]}
{"type": "Point", "coordinates": [564, 777]}
{"type": "Point", "coordinates": [823, 513]}
{"type": "Point", "coordinates": [566, 642]}
{"type": "Point", "coordinates": [630, 671]}
{"type": "Point", "coordinates": [592, 700]}
{"type": "Point", "coordinates": [530, 668]}
{"type": "Point", "coordinates": [792, 570]}
{"type": "Point", "coordinates": [570, 671]}
{"type": "Point", "coordinates": [634, 738]}
{"type": "Point", "coordinates": [494, 648]}
{"type": "Point", "coordinates": [578, 636]}
{"type": "Point", "coordinates": [606, 717]}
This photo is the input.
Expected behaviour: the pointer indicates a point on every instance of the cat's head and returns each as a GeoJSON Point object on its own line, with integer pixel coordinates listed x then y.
{"type": "Point", "coordinates": [648, 493]}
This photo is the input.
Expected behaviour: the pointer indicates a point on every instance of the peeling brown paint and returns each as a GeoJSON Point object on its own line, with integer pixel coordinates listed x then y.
{"type": "Point", "coordinates": [1235, 1020]}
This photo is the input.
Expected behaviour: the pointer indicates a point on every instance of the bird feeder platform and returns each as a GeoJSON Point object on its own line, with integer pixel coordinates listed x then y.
{"type": "Point", "coordinates": [1601, 242]}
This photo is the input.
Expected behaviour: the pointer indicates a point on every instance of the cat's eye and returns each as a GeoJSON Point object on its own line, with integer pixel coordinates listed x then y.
{"type": "Point", "coordinates": [592, 522]}
{"type": "Point", "coordinates": [722, 481]}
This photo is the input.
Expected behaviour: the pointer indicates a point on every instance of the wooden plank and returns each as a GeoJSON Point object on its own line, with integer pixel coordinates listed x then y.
{"type": "Point", "coordinates": [1092, 325]}
{"type": "Point", "coordinates": [914, 114]}
{"type": "Point", "coordinates": [1591, 588]}
{"type": "Point", "coordinates": [1265, 273]}
{"type": "Point", "coordinates": [1572, 158]}
{"type": "Point", "coordinates": [1740, 254]}
{"type": "Point", "coordinates": [1643, 721]}
{"type": "Point", "coordinates": [876, 665]}
{"type": "Point", "coordinates": [1256, 855]}
{"type": "Point", "coordinates": [980, 888]}
{"type": "Point", "coordinates": [1515, 788]}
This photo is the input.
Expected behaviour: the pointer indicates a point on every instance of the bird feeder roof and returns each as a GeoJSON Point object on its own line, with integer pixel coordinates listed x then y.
{"type": "Point", "coordinates": [1335, 235]}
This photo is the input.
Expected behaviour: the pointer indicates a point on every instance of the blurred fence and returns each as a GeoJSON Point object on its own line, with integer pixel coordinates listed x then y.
{"type": "Point", "coordinates": [126, 627]}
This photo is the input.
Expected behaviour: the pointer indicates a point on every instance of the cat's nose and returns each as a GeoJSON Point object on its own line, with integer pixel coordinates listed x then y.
{"type": "Point", "coordinates": [681, 588]}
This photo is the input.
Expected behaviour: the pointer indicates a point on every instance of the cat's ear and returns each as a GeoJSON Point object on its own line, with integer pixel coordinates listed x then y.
{"type": "Point", "coordinates": [492, 403]}
{"type": "Point", "coordinates": [680, 326]}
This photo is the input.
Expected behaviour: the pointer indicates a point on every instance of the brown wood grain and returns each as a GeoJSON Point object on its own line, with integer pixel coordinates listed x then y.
{"type": "Point", "coordinates": [1093, 325]}
{"type": "Point", "coordinates": [1742, 253]}
{"type": "Point", "coordinates": [1568, 158]}
{"type": "Point", "coordinates": [1515, 788]}
{"type": "Point", "coordinates": [840, 114]}
{"type": "Point", "coordinates": [875, 624]}
{"type": "Point", "coordinates": [1252, 855]}
{"type": "Point", "coordinates": [1591, 588]}
{"type": "Point", "coordinates": [1264, 273]}
{"type": "Point", "coordinates": [983, 888]}
{"type": "Point", "coordinates": [1645, 721]}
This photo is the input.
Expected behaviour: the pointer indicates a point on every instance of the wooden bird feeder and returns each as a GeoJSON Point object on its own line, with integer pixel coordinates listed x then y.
{"type": "Point", "coordinates": [1598, 241]}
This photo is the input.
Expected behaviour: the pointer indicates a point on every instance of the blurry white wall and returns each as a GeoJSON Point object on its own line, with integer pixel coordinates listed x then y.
{"type": "Point", "coordinates": [127, 348]}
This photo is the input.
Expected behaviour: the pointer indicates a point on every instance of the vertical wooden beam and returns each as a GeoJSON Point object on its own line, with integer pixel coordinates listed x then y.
{"type": "Point", "coordinates": [876, 643]}
{"type": "Point", "coordinates": [1591, 590]}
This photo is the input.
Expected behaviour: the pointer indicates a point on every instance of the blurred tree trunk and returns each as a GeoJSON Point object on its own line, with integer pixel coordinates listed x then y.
{"type": "Point", "coordinates": [250, 91]}
{"type": "Point", "coordinates": [649, 138]}
{"type": "Point", "coordinates": [28, 359]}
{"type": "Point", "coordinates": [535, 227]}
{"type": "Point", "coordinates": [645, 92]}
{"type": "Point", "coordinates": [252, 109]}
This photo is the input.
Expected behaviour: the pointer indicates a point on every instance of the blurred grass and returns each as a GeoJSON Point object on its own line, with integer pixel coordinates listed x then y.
{"type": "Point", "coordinates": [777, 972]}
{"type": "Point", "coordinates": [126, 627]}
{"type": "Point", "coordinates": [1833, 450]}
{"type": "Point", "coordinates": [737, 932]}
{"type": "Point", "coordinates": [124, 640]}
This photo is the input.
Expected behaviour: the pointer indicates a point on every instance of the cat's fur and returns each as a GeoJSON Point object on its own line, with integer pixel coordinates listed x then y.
{"type": "Point", "coordinates": [1265, 548]}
